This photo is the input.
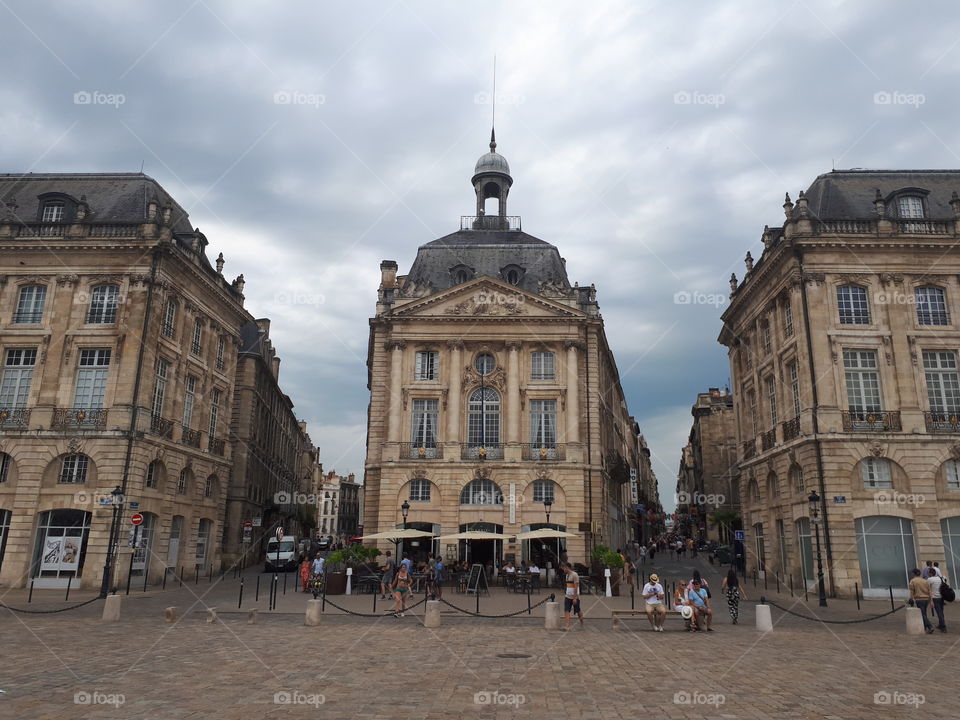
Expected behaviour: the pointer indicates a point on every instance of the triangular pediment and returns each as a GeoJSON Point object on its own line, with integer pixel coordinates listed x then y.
{"type": "Point", "coordinates": [486, 297]}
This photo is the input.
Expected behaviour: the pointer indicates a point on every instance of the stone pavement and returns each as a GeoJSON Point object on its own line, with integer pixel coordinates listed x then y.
{"type": "Point", "coordinates": [70, 665]}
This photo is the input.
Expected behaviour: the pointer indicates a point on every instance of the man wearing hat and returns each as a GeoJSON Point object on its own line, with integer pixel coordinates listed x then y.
{"type": "Point", "coordinates": [656, 610]}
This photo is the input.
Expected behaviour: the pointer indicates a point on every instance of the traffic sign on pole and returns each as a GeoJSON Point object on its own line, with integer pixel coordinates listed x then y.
{"type": "Point", "coordinates": [279, 534]}
{"type": "Point", "coordinates": [136, 519]}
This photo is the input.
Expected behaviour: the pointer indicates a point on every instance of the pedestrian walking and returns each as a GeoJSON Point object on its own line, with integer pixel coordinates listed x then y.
{"type": "Point", "coordinates": [920, 594]}
{"type": "Point", "coordinates": [731, 587]}
{"type": "Point", "coordinates": [571, 600]}
{"type": "Point", "coordinates": [936, 582]}
{"type": "Point", "coordinates": [654, 603]}
{"type": "Point", "coordinates": [304, 573]}
{"type": "Point", "coordinates": [316, 574]}
{"type": "Point", "coordinates": [401, 588]}
{"type": "Point", "coordinates": [642, 553]}
{"type": "Point", "coordinates": [386, 580]}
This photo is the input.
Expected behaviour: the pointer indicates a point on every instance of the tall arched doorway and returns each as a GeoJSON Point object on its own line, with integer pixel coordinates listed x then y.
{"type": "Point", "coordinates": [485, 552]}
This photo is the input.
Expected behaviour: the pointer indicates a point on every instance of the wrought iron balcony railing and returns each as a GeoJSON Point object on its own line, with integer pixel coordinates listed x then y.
{"type": "Point", "coordinates": [876, 421]}
{"type": "Point", "coordinates": [216, 446]}
{"type": "Point", "coordinates": [942, 422]}
{"type": "Point", "coordinates": [413, 451]}
{"type": "Point", "coordinates": [89, 418]}
{"type": "Point", "coordinates": [538, 451]}
{"type": "Point", "coordinates": [161, 426]}
{"type": "Point", "coordinates": [768, 439]}
{"type": "Point", "coordinates": [490, 451]}
{"type": "Point", "coordinates": [749, 449]}
{"type": "Point", "coordinates": [190, 437]}
{"type": "Point", "coordinates": [19, 417]}
{"type": "Point", "coordinates": [28, 317]}
{"type": "Point", "coordinates": [791, 429]}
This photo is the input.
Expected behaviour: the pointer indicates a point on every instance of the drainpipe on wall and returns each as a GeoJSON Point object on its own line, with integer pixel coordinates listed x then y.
{"type": "Point", "coordinates": [114, 537]}
{"type": "Point", "coordinates": [816, 425]}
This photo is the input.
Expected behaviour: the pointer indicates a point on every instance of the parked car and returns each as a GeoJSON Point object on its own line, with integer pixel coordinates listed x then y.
{"type": "Point", "coordinates": [281, 556]}
{"type": "Point", "coordinates": [324, 543]}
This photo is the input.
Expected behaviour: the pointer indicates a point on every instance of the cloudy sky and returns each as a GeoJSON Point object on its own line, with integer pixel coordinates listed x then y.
{"type": "Point", "coordinates": [649, 141]}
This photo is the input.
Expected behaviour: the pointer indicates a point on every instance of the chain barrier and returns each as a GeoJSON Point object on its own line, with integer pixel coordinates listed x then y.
{"type": "Point", "coordinates": [48, 612]}
{"type": "Point", "coordinates": [376, 615]}
{"type": "Point", "coordinates": [835, 622]}
{"type": "Point", "coordinates": [550, 598]}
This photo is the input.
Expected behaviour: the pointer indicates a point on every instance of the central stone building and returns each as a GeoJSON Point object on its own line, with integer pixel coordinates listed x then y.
{"type": "Point", "coordinates": [494, 397]}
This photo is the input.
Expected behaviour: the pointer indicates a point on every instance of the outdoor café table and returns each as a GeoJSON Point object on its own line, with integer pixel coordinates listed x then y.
{"type": "Point", "coordinates": [521, 582]}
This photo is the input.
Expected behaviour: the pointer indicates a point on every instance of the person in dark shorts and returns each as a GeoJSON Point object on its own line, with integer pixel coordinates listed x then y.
{"type": "Point", "coordinates": [389, 567]}
{"type": "Point", "coordinates": [571, 599]}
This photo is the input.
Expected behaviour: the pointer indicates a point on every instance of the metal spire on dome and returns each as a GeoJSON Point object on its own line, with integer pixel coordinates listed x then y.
{"type": "Point", "coordinates": [493, 112]}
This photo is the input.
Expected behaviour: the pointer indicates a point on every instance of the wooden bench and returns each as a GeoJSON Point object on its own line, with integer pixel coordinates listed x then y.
{"type": "Point", "coordinates": [617, 614]}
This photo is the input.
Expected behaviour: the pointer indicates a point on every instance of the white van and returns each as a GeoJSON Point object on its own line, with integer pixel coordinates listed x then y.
{"type": "Point", "coordinates": [285, 559]}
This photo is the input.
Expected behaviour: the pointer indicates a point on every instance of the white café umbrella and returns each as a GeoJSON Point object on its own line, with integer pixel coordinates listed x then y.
{"type": "Point", "coordinates": [398, 534]}
{"type": "Point", "coordinates": [545, 533]}
{"type": "Point", "coordinates": [476, 535]}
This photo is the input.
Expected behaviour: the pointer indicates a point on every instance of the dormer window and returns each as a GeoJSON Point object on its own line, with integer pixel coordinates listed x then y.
{"type": "Point", "coordinates": [461, 274]}
{"type": "Point", "coordinates": [52, 211]}
{"type": "Point", "coordinates": [513, 274]}
{"type": "Point", "coordinates": [910, 206]}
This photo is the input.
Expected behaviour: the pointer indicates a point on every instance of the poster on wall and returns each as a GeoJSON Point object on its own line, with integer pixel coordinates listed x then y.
{"type": "Point", "coordinates": [60, 553]}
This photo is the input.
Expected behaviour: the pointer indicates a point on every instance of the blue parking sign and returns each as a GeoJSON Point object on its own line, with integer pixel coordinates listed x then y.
{"type": "Point", "coordinates": [739, 534]}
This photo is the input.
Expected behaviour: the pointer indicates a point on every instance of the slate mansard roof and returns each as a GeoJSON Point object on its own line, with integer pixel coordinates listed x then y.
{"type": "Point", "coordinates": [111, 197]}
{"type": "Point", "coordinates": [488, 253]}
{"type": "Point", "coordinates": [850, 194]}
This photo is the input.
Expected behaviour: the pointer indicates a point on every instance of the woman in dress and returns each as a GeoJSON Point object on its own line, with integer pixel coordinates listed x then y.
{"type": "Point", "coordinates": [304, 573]}
{"type": "Point", "coordinates": [731, 586]}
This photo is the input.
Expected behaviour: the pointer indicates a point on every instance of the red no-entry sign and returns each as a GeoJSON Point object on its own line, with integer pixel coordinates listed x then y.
{"type": "Point", "coordinates": [136, 519]}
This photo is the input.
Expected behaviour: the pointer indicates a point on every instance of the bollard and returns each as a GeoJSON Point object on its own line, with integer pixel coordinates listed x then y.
{"type": "Point", "coordinates": [313, 613]}
{"type": "Point", "coordinates": [431, 617]}
{"type": "Point", "coordinates": [764, 621]}
{"type": "Point", "coordinates": [765, 581]}
{"type": "Point", "coordinates": [69, 580]}
{"type": "Point", "coordinates": [180, 577]}
{"type": "Point", "coordinates": [778, 583]}
{"type": "Point", "coordinates": [856, 592]}
{"type": "Point", "coordinates": [349, 582]}
{"type": "Point", "coordinates": [257, 597]}
{"type": "Point", "coordinates": [111, 608]}
{"type": "Point", "coordinates": [145, 575]}
{"type": "Point", "coordinates": [914, 621]}
{"type": "Point", "coordinates": [164, 585]}
{"type": "Point", "coordinates": [285, 583]}
{"type": "Point", "coordinates": [375, 602]}
{"type": "Point", "coordinates": [170, 615]}
{"type": "Point", "coordinates": [791, 584]}
{"type": "Point", "coordinates": [631, 597]}
{"type": "Point", "coordinates": [609, 591]}
{"type": "Point", "coordinates": [252, 616]}
{"type": "Point", "coordinates": [210, 573]}
{"type": "Point", "coordinates": [196, 574]}
{"type": "Point", "coordinates": [30, 596]}
{"type": "Point", "coordinates": [551, 616]}
{"type": "Point", "coordinates": [211, 615]}
{"type": "Point", "coordinates": [890, 589]}
{"type": "Point", "coordinates": [240, 598]}
{"type": "Point", "coordinates": [478, 600]}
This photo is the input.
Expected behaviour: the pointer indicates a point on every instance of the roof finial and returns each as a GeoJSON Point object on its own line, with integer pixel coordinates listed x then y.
{"type": "Point", "coordinates": [493, 111]}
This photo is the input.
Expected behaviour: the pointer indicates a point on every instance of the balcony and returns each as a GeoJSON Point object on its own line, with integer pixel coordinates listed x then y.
{"type": "Point", "coordinates": [491, 451]}
{"type": "Point", "coordinates": [924, 227]}
{"type": "Point", "coordinates": [768, 439]}
{"type": "Point", "coordinates": [791, 429]}
{"type": "Point", "coordinates": [749, 449]}
{"type": "Point", "coordinates": [878, 421]}
{"type": "Point", "coordinates": [14, 417]}
{"type": "Point", "coordinates": [412, 451]}
{"type": "Point", "coordinates": [59, 230]}
{"type": "Point", "coordinates": [489, 222]}
{"type": "Point", "coordinates": [942, 422]}
{"type": "Point", "coordinates": [28, 317]}
{"type": "Point", "coordinates": [190, 437]}
{"type": "Point", "coordinates": [162, 427]}
{"type": "Point", "coordinates": [82, 418]}
{"type": "Point", "coordinates": [535, 451]}
{"type": "Point", "coordinates": [216, 446]}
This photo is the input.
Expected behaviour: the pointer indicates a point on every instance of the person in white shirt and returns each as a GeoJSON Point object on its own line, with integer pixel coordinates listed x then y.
{"type": "Point", "coordinates": [656, 610]}
{"type": "Point", "coordinates": [936, 599]}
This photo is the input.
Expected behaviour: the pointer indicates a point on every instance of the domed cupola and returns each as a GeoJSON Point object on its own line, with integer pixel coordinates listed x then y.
{"type": "Point", "coordinates": [491, 179]}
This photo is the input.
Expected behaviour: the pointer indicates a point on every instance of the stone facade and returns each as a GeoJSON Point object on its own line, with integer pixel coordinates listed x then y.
{"type": "Point", "coordinates": [492, 388]}
{"type": "Point", "coordinates": [709, 477]}
{"type": "Point", "coordinates": [843, 341]}
{"type": "Point", "coordinates": [119, 344]}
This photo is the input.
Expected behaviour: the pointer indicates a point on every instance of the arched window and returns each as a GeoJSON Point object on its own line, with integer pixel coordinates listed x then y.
{"type": "Point", "coordinates": [796, 479]}
{"type": "Point", "coordinates": [103, 305]}
{"type": "Point", "coordinates": [210, 486]}
{"type": "Point", "coordinates": [773, 486]}
{"type": "Point", "coordinates": [753, 491]}
{"type": "Point", "coordinates": [543, 491]}
{"type": "Point", "coordinates": [73, 469]}
{"type": "Point", "coordinates": [5, 462]}
{"type": "Point", "coordinates": [952, 470]}
{"type": "Point", "coordinates": [419, 490]}
{"type": "Point", "coordinates": [183, 481]}
{"type": "Point", "coordinates": [875, 473]}
{"type": "Point", "coordinates": [484, 363]}
{"type": "Point", "coordinates": [483, 422]}
{"type": "Point", "coordinates": [169, 318]}
{"type": "Point", "coordinates": [481, 492]}
{"type": "Point", "coordinates": [155, 474]}
{"type": "Point", "coordinates": [203, 540]}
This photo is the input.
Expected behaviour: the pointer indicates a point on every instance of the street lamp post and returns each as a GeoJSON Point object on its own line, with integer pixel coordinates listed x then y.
{"type": "Point", "coordinates": [404, 510]}
{"type": "Point", "coordinates": [814, 499]}
{"type": "Point", "coordinates": [117, 502]}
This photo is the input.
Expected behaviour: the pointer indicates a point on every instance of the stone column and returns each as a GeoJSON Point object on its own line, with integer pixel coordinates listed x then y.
{"type": "Point", "coordinates": [396, 390]}
{"type": "Point", "coordinates": [573, 394]}
{"type": "Point", "coordinates": [512, 399]}
{"type": "Point", "coordinates": [455, 392]}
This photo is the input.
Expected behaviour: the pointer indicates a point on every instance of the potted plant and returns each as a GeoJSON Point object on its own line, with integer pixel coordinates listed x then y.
{"type": "Point", "coordinates": [336, 572]}
{"type": "Point", "coordinates": [613, 561]}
